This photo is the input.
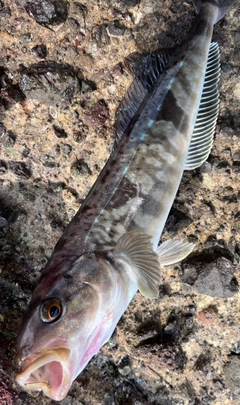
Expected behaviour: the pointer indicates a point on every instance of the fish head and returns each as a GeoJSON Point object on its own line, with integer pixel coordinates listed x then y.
{"type": "Point", "coordinates": [55, 342]}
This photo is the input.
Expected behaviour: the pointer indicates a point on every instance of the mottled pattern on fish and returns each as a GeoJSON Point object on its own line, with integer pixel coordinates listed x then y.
{"type": "Point", "coordinates": [137, 186]}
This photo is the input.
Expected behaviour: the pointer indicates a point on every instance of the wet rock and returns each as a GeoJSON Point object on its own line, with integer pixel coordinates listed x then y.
{"type": "Point", "coordinates": [206, 168]}
{"type": "Point", "coordinates": [6, 396]}
{"type": "Point", "coordinates": [124, 361]}
{"type": "Point", "coordinates": [9, 93]}
{"type": "Point", "coordinates": [57, 150]}
{"type": "Point", "coordinates": [26, 38]}
{"type": "Point", "coordinates": [48, 12]}
{"type": "Point", "coordinates": [117, 70]}
{"type": "Point", "coordinates": [80, 167]}
{"type": "Point", "coordinates": [80, 134]}
{"type": "Point", "coordinates": [40, 51]}
{"type": "Point", "coordinates": [232, 375]}
{"type": "Point", "coordinates": [173, 356]}
{"type": "Point", "coordinates": [235, 121]}
{"type": "Point", "coordinates": [66, 148]}
{"type": "Point", "coordinates": [2, 129]}
{"type": "Point", "coordinates": [50, 82]}
{"type": "Point", "coordinates": [212, 276]}
{"type": "Point", "coordinates": [235, 349]}
{"type": "Point", "coordinates": [177, 221]}
{"type": "Point", "coordinates": [236, 156]}
{"type": "Point", "coordinates": [3, 227]}
{"type": "Point", "coordinates": [73, 24]}
{"type": "Point", "coordinates": [11, 212]}
{"type": "Point", "coordinates": [80, 12]}
{"type": "Point", "coordinates": [232, 198]}
{"type": "Point", "coordinates": [131, 3]}
{"type": "Point", "coordinates": [73, 193]}
{"type": "Point", "coordinates": [179, 325]}
{"type": "Point", "coordinates": [100, 35]}
{"type": "Point", "coordinates": [208, 316]}
{"type": "Point", "coordinates": [60, 132]}
{"type": "Point", "coordinates": [68, 401]}
{"type": "Point", "coordinates": [20, 169]}
{"type": "Point", "coordinates": [178, 7]}
{"type": "Point", "coordinates": [56, 187]}
{"type": "Point", "coordinates": [203, 362]}
{"type": "Point", "coordinates": [5, 12]}
{"type": "Point", "coordinates": [51, 164]}
{"type": "Point", "coordinates": [226, 191]}
{"type": "Point", "coordinates": [236, 167]}
{"type": "Point", "coordinates": [56, 221]}
{"type": "Point", "coordinates": [116, 29]}
{"type": "Point", "coordinates": [27, 193]}
{"type": "Point", "coordinates": [98, 115]}
{"type": "Point", "coordinates": [3, 167]}
{"type": "Point", "coordinates": [223, 167]}
{"type": "Point", "coordinates": [54, 225]}
{"type": "Point", "coordinates": [26, 151]}
{"type": "Point", "coordinates": [169, 354]}
{"type": "Point", "coordinates": [236, 38]}
{"type": "Point", "coordinates": [87, 86]}
{"type": "Point", "coordinates": [8, 139]}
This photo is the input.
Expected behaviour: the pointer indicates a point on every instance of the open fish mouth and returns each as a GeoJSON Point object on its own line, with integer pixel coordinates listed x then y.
{"type": "Point", "coordinates": [48, 373]}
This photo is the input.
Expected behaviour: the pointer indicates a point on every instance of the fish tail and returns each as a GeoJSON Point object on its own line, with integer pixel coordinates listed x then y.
{"type": "Point", "coordinates": [222, 5]}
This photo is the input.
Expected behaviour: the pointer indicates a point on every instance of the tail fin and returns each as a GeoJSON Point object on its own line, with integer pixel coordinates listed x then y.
{"type": "Point", "coordinates": [222, 5]}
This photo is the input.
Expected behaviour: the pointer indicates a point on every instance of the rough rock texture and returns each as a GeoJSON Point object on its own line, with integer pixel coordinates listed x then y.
{"type": "Point", "coordinates": [64, 67]}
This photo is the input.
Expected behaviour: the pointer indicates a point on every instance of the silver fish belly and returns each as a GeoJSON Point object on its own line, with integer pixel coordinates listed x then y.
{"type": "Point", "coordinates": [165, 125]}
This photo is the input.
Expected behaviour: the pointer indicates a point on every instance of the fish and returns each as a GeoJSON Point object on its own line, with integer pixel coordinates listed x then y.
{"type": "Point", "coordinates": [164, 125]}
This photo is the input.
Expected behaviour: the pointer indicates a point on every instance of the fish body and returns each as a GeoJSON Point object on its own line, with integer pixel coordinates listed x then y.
{"type": "Point", "coordinates": [165, 125]}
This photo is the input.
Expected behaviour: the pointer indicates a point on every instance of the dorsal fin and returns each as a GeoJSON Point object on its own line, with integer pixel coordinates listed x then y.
{"type": "Point", "coordinates": [153, 67]}
{"type": "Point", "coordinates": [204, 129]}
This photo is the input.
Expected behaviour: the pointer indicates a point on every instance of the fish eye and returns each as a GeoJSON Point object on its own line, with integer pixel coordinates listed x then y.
{"type": "Point", "coordinates": [51, 310]}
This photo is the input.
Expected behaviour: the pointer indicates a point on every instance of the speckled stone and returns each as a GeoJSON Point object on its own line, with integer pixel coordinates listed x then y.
{"type": "Point", "coordinates": [179, 348]}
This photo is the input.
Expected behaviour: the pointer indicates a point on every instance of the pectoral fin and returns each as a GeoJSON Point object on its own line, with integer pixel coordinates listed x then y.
{"type": "Point", "coordinates": [135, 249]}
{"type": "Point", "coordinates": [173, 251]}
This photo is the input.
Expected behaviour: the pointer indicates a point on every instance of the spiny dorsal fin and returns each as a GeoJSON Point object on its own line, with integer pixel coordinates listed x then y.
{"type": "Point", "coordinates": [153, 67]}
{"type": "Point", "coordinates": [128, 107]}
{"type": "Point", "coordinates": [135, 249]}
{"type": "Point", "coordinates": [204, 129]}
{"type": "Point", "coordinates": [173, 251]}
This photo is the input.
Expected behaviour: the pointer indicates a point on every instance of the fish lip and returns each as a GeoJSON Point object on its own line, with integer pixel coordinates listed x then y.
{"type": "Point", "coordinates": [57, 380]}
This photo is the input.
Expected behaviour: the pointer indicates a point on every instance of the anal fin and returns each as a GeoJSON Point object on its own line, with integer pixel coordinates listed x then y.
{"type": "Point", "coordinates": [173, 251]}
{"type": "Point", "coordinates": [204, 129]}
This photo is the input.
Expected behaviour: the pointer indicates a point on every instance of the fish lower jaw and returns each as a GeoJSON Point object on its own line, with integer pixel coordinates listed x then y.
{"type": "Point", "coordinates": [48, 373]}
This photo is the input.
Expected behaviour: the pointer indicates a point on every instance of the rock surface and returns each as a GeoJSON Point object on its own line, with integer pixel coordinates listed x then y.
{"type": "Point", "coordinates": [64, 68]}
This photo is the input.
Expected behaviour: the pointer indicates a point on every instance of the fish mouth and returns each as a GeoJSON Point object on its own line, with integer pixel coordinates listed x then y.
{"type": "Point", "coordinates": [48, 373]}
